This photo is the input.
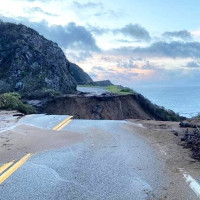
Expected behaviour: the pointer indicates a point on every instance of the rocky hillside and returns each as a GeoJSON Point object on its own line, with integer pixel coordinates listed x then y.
{"type": "Point", "coordinates": [104, 83]}
{"type": "Point", "coordinates": [29, 62]}
{"type": "Point", "coordinates": [79, 75]}
{"type": "Point", "coordinates": [37, 69]}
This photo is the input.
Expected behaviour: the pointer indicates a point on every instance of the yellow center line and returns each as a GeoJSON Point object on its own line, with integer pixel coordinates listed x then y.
{"type": "Point", "coordinates": [5, 166]}
{"type": "Point", "coordinates": [16, 166]}
{"type": "Point", "coordinates": [65, 124]}
{"type": "Point", "coordinates": [62, 123]}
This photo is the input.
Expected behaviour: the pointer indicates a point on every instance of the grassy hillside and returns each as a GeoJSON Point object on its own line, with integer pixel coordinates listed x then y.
{"type": "Point", "coordinates": [114, 89]}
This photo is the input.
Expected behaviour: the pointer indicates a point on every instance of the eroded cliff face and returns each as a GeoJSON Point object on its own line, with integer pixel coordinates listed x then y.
{"type": "Point", "coordinates": [113, 107]}
{"type": "Point", "coordinates": [30, 62]}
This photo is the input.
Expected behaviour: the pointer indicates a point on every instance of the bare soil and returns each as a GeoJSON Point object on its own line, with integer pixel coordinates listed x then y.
{"type": "Point", "coordinates": [8, 119]}
{"type": "Point", "coordinates": [166, 137]}
{"type": "Point", "coordinates": [23, 139]}
{"type": "Point", "coordinates": [107, 106]}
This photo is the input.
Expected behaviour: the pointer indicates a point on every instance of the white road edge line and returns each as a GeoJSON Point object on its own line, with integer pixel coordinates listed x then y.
{"type": "Point", "coordinates": [161, 149]}
{"type": "Point", "coordinates": [194, 185]}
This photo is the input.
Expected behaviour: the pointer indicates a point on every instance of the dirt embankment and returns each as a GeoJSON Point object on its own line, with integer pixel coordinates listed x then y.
{"type": "Point", "coordinates": [114, 107]}
{"type": "Point", "coordinates": [191, 138]}
{"type": "Point", "coordinates": [166, 137]}
{"type": "Point", "coordinates": [8, 119]}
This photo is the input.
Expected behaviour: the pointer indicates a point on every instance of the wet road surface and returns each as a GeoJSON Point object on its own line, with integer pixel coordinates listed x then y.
{"type": "Point", "coordinates": [111, 162]}
{"type": "Point", "coordinates": [93, 90]}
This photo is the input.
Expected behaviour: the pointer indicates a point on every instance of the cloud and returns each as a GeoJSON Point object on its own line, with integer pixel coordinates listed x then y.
{"type": "Point", "coordinates": [76, 41]}
{"type": "Point", "coordinates": [100, 73]}
{"type": "Point", "coordinates": [98, 68]}
{"type": "Point", "coordinates": [132, 63]}
{"type": "Point", "coordinates": [91, 9]}
{"type": "Point", "coordinates": [193, 64]}
{"type": "Point", "coordinates": [107, 58]}
{"type": "Point", "coordinates": [87, 5]}
{"type": "Point", "coordinates": [124, 41]}
{"type": "Point", "coordinates": [148, 65]}
{"type": "Point", "coordinates": [71, 36]}
{"type": "Point", "coordinates": [162, 49]}
{"type": "Point", "coordinates": [173, 49]}
{"type": "Point", "coordinates": [178, 77]}
{"type": "Point", "coordinates": [184, 35]}
{"type": "Point", "coordinates": [39, 10]}
{"type": "Point", "coordinates": [98, 30]}
{"type": "Point", "coordinates": [77, 36]}
{"type": "Point", "coordinates": [78, 55]}
{"type": "Point", "coordinates": [126, 64]}
{"type": "Point", "coordinates": [36, 0]}
{"type": "Point", "coordinates": [109, 13]}
{"type": "Point", "coordinates": [134, 31]}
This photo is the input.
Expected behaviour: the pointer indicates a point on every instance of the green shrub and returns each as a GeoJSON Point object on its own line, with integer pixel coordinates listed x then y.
{"type": "Point", "coordinates": [11, 101]}
{"type": "Point", "coordinates": [126, 89]}
{"type": "Point", "coordinates": [43, 93]}
{"type": "Point", "coordinates": [158, 112]}
{"type": "Point", "coordinates": [115, 89]}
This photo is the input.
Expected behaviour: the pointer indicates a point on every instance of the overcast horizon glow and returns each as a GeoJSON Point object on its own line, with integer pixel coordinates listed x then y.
{"type": "Point", "coordinates": [133, 43]}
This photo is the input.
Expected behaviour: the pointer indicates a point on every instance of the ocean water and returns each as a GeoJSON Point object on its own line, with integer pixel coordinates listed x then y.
{"type": "Point", "coordinates": [182, 100]}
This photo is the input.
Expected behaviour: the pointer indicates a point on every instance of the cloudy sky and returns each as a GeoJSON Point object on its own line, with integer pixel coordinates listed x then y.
{"type": "Point", "coordinates": [132, 42]}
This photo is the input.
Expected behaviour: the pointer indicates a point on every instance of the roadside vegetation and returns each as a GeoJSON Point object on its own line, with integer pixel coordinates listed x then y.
{"type": "Point", "coordinates": [12, 101]}
{"type": "Point", "coordinates": [115, 89]}
{"type": "Point", "coordinates": [44, 93]}
{"type": "Point", "coordinates": [158, 112]}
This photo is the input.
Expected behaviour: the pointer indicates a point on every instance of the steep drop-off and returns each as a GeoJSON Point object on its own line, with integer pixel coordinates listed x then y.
{"type": "Point", "coordinates": [115, 107]}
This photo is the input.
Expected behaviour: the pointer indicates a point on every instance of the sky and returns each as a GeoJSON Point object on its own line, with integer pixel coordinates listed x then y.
{"type": "Point", "coordinates": [130, 42]}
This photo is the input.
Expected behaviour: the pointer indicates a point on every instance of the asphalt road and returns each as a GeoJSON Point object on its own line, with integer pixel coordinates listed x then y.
{"type": "Point", "coordinates": [93, 90]}
{"type": "Point", "coordinates": [110, 162]}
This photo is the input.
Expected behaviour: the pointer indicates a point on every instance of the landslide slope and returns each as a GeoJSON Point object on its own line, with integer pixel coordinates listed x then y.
{"type": "Point", "coordinates": [112, 107]}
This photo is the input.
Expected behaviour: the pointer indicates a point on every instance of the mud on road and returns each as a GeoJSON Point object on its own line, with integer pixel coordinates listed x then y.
{"type": "Point", "coordinates": [166, 138]}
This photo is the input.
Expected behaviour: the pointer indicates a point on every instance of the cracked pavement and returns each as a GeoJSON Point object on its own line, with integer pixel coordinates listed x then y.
{"type": "Point", "coordinates": [92, 159]}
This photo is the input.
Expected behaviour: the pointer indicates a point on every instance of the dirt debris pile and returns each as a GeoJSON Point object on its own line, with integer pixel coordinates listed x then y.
{"type": "Point", "coordinates": [191, 138]}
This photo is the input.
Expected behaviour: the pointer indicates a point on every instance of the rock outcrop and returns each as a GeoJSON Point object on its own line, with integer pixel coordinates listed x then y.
{"type": "Point", "coordinates": [81, 77]}
{"type": "Point", "coordinates": [104, 83]}
{"type": "Point", "coordinates": [30, 62]}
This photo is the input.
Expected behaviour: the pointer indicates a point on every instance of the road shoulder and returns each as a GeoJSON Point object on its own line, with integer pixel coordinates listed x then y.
{"type": "Point", "coordinates": [165, 137]}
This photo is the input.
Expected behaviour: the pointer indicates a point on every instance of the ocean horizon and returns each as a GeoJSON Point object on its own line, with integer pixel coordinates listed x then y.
{"type": "Point", "coordinates": [182, 100]}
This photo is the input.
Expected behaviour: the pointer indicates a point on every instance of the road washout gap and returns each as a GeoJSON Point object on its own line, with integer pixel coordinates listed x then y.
{"type": "Point", "coordinates": [107, 106]}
